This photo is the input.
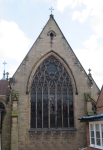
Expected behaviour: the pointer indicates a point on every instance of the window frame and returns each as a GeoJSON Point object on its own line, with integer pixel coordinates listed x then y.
{"type": "Point", "coordinates": [29, 82]}
{"type": "Point", "coordinates": [56, 98]}
{"type": "Point", "coordinates": [100, 129]}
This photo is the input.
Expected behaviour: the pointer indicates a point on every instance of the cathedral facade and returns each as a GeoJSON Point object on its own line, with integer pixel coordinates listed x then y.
{"type": "Point", "coordinates": [48, 93]}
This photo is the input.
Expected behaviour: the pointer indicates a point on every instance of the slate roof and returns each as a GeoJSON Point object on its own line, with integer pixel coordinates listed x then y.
{"type": "Point", "coordinates": [4, 90]}
{"type": "Point", "coordinates": [98, 117]}
{"type": "Point", "coordinates": [87, 117]}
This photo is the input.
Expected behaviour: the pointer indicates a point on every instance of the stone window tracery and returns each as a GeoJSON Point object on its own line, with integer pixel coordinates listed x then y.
{"type": "Point", "coordinates": [51, 96]}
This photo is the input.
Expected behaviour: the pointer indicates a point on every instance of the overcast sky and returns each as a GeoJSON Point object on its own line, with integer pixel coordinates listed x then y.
{"type": "Point", "coordinates": [81, 21]}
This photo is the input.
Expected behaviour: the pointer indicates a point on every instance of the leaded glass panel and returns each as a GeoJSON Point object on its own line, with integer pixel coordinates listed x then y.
{"type": "Point", "coordinates": [33, 108]}
{"type": "Point", "coordinates": [52, 107]}
{"type": "Point", "coordinates": [59, 109]}
{"type": "Point", "coordinates": [33, 115]}
{"type": "Point", "coordinates": [71, 117]}
{"type": "Point", "coordinates": [39, 108]}
{"type": "Point", "coordinates": [65, 112]}
{"type": "Point", "coordinates": [45, 108]}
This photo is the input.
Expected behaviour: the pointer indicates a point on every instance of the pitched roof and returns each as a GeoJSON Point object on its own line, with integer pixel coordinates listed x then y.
{"type": "Point", "coordinates": [4, 90]}
{"type": "Point", "coordinates": [39, 37]}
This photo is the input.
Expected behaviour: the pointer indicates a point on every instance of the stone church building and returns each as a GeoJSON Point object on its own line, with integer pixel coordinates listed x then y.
{"type": "Point", "coordinates": [45, 97]}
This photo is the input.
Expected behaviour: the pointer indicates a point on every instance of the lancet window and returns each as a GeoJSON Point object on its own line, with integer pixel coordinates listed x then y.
{"type": "Point", "coordinates": [51, 96]}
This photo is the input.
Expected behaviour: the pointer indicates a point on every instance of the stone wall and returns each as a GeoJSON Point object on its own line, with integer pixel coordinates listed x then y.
{"type": "Point", "coordinates": [82, 148]}
{"type": "Point", "coordinates": [71, 140]}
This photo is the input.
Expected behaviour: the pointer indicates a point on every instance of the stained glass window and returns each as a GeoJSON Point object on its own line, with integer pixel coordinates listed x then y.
{"type": "Point", "coordinates": [33, 108]}
{"type": "Point", "coordinates": [51, 96]}
{"type": "Point", "coordinates": [39, 108]}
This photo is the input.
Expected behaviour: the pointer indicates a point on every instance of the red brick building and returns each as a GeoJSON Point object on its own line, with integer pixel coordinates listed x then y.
{"type": "Point", "coordinates": [94, 126]}
{"type": "Point", "coordinates": [99, 105]}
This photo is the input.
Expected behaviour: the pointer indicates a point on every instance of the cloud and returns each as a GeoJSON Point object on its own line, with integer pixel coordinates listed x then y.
{"type": "Point", "coordinates": [76, 15]}
{"type": "Point", "coordinates": [89, 59]}
{"type": "Point", "coordinates": [97, 25]}
{"type": "Point", "coordinates": [12, 70]}
{"type": "Point", "coordinates": [62, 4]}
{"type": "Point", "coordinates": [81, 16]}
{"type": "Point", "coordinates": [91, 43]}
{"type": "Point", "coordinates": [14, 44]}
{"type": "Point", "coordinates": [93, 8]}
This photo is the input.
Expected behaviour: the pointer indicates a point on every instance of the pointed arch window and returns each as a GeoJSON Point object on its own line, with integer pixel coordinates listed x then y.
{"type": "Point", "coordinates": [51, 96]}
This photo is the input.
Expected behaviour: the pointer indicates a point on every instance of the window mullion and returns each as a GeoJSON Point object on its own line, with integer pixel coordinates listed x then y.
{"type": "Point", "coordinates": [94, 134]}
{"type": "Point", "coordinates": [55, 106]}
{"type": "Point", "coordinates": [62, 104]}
{"type": "Point", "coordinates": [36, 107]}
{"type": "Point", "coordinates": [48, 107]}
{"type": "Point", "coordinates": [100, 134]}
{"type": "Point", "coordinates": [68, 106]}
{"type": "Point", "coordinates": [42, 107]}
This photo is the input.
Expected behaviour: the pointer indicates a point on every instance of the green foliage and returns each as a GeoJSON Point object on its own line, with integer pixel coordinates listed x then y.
{"type": "Point", "coordinates": [90, 113]}
{"type": "Point", "coordinates": [14, 113]}
{"type": "Point", "coordinates": [15, 96]}
{"type": "Point", "coordinates": [87, 96]}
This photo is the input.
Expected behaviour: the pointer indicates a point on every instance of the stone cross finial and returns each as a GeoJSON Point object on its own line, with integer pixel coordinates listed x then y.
{"type": "Point", "coordinates": [4, 71]}
{"type": "Point", "coordinates": [7, 75]}
{"type": "Point", "coordinates": [4, 64]}
{"type": "Point", "coordinates": [89, 70]}
{"type": "Point", "coordinates": [51, 9]}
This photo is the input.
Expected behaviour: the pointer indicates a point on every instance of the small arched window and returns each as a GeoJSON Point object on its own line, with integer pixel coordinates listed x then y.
{"type": "Point", "coordinates": [51, 96]}
{"type": "Point", "coordinates": [2, 112]}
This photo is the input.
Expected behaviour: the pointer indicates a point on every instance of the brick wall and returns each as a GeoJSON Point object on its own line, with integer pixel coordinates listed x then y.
{"type": "Point", "coordinates": [99, 105]}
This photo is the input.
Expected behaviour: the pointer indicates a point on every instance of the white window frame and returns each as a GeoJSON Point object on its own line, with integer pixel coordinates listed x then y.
{"type": "Point", "coordinates": [95, 145]}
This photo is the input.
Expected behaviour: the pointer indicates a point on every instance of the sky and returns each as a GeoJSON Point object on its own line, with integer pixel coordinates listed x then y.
{"type": "Point", "coordinates": [81, 21]}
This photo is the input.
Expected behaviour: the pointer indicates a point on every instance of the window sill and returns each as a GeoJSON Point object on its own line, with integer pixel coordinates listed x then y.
{"type": "Point", "coordinates": [95, 146]}
{"type": "Point", "coordinates": [52, 129]}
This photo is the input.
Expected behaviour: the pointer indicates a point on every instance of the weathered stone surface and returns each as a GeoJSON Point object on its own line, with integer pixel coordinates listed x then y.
{"type": "Point", "coordinates": [22, 138]}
